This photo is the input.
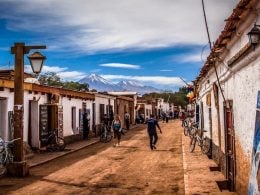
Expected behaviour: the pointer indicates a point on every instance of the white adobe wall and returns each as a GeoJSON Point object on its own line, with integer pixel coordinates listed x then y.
{"type": "Point", "coordinates": [27, 96]}
{"type": "Point", "coordinates": [9, 107]}
{"type": "Point", "coordinates": [67, 106]}
{"type": "Point", "coordinates": [10, 103]}
{"type": "Point", "coordinates": [149, 108]}
{"type": "Point", "coordinates": [102, 100]}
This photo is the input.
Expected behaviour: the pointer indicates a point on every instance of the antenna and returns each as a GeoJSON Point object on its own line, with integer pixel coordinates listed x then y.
{"type": "Point", "coordinates": [184, 81]}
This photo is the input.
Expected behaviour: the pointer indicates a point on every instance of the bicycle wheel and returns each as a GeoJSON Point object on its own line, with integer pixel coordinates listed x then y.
{"type": "Point", "coordinates": [109, 137]}
{"type": "Point", "coordinates": [3, 158]}
{"type": "Point", "coordinates": [61, 143]}
{"type": "Point", "coordinates": [193, 141]}
{"type": "Point", "coordinates": [205, 147]}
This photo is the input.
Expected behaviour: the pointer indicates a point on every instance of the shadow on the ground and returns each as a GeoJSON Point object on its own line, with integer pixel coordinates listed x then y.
{"type": "Point", "coordinates": [37, 173]}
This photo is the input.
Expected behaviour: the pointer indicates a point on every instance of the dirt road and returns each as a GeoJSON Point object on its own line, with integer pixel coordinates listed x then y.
{"type": "Point", "coordinates": [131, 168]}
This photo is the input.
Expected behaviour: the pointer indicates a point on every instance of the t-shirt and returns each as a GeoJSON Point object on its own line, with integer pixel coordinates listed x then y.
{"type": "Point", "coordinates": [127, 116]}
{"type": "Point", "coordinates": [116, 125]}
{"type": "Point", "coordinates": [151, 125]}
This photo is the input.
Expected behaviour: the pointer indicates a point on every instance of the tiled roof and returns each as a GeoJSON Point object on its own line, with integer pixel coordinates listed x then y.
{"type": "Point", "coordinates": [224, 38]}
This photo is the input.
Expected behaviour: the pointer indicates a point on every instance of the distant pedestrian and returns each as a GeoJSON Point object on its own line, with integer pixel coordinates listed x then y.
{"type": "Point", "coordinates": [151, 128]}
{"type": "Point", "coordinates": [127, 120]}
{"type": "Point", "coordinates": [117, 128]}
{"type": "Point", "coordinates": [85, 125]}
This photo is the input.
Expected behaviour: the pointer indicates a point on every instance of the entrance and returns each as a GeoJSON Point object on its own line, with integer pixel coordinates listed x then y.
{"type": "Point", "coordinates": [33, 133]}
{"type": "Point", "coordinates": [229, 144]}
{"type": "Point", "coordinates": [3, 119]}
{"type": "Point", "coordinates": [51, 119]}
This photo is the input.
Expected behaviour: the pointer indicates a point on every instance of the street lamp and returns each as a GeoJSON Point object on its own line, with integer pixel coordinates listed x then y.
{"type": "Point", "coordinates": [254, 35]}
{"type": "Point", "coordinates": [20, 167]}
{"type": "Point", "coordinates": [36, 60]}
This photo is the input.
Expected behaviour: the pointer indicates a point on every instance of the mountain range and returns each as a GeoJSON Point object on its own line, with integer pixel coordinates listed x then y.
{"type": "Point", "coordinates": [100, 84]}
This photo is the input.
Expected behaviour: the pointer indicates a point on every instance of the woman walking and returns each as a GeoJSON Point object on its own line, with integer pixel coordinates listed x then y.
{"type": "Point", "coordinates": [116, 125]}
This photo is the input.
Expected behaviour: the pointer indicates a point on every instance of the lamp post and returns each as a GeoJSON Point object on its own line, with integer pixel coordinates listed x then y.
{"type": "Point", "coordinates": [19, 167]}
{"type": "Point", "coordinates": [254, 35]}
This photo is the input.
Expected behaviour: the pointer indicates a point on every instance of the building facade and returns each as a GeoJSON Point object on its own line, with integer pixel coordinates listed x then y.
{"type": "Point", "coordinates": [227, 104]}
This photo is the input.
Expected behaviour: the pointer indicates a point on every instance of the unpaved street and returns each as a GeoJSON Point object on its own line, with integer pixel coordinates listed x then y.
{"type": "Point", "coordinates": [131, 168]}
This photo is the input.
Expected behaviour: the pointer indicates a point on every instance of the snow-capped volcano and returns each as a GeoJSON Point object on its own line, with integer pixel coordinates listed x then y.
{"type": "Point", "coordinates": [138, 87]}
{"type": "Point", "coordinates": [100, 84]}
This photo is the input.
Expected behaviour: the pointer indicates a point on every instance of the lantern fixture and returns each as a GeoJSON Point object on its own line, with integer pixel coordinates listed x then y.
{"type": "Point", "coordinates": [36, 60]}
{"type": "Point", "coordinates": [254, 36]}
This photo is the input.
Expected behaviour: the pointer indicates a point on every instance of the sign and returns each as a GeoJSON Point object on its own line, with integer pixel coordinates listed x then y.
{"type": "Point", "coordinates": [44, 131]}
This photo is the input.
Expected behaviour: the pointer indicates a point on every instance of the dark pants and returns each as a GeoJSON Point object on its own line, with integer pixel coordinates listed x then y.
{"type": "Point", "coordinates": [153, 139]}
{"type": "Point", "coordinates": [127, 124]}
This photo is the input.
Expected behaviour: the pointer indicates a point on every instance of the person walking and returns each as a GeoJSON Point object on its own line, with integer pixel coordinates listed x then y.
{"type": "Point", "coordinates": [85, 125]}
{"type": "Point", "coordinates": [151, 128]}
{"type": "Point", "coordinates": [127, 120]}
{"type": "Point", "coordinates": [117, 128]}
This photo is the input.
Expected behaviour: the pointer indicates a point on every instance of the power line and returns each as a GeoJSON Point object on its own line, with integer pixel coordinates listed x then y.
{"type": "Point", "coordinates": [210, 46]}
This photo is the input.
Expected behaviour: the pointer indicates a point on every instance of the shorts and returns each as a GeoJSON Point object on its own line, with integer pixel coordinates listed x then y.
{"type": "Point", "coordinates": [117, 134]}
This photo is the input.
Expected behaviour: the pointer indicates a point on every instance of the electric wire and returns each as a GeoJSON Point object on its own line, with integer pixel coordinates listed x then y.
{"type": "Point", "coordinates": [210, 46]}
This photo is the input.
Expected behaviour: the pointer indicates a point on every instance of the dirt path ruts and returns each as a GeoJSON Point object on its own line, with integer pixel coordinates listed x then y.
{"type": "Point", "coordinates": [131, 168]}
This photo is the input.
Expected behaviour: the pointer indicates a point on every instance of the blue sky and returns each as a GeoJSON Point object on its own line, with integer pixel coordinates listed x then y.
{"type": "Point", "coordinates": [150, 41]}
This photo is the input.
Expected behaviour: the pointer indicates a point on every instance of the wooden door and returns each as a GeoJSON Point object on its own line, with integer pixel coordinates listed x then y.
{"type": "Point", "coordinates": [230, 145]}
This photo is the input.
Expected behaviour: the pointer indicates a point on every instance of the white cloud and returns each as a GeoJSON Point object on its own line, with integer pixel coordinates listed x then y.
{"type": "Point", "coordinates": [155, 80]}
{"type": "Point", "coordinates": [191, 57]}
{"type": "Point", "coordinates": [60, 71]}
{"type": "Point", "coordinates": [97, 25]}
{"type": "Point", "coordinates": [55, 69]}
{"type": "Point", "coordinates": [71, 75]}
{"type": "Point", "coordinates": [46, 68]}
{"type": "Point", "coordinates": [119, 65]}
{"type": "Point", "coordinates": [166, 70]}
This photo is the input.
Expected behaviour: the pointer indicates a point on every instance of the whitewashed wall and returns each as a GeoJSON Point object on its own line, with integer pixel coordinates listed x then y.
{"type": "Point", "coordinates": [67, 104]}
{"type": "Point", "coordinates": [103, 99]}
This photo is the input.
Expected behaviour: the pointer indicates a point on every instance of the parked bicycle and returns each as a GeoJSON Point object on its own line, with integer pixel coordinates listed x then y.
{"type": "Point", "coordinates": [201, 140]}
{"type": "Point", "coordinates": [6, 155]}
{"type": "Point", "coordinates": [55, 143]}
{"type": "Point", "coordinates": [188, 127]}
{"type": "Point", "coordinates": [106, 134]}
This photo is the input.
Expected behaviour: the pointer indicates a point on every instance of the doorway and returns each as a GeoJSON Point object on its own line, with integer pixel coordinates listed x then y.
{"type": "Point", "coordinates": [3, 119]}
{"type": "Point", "coordinates": [51, 119]}
{"type": "Point", "coordinates": [229, 144]}
{"type": "Point", "coordinates": [33, 133]}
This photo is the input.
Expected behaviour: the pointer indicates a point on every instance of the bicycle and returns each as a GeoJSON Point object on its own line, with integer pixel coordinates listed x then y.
{"type": "Point", "coordinates": [188, 125]}
{"type": "Point", "coordinates": [106, 134]}
{"type": "Point", "coordinates": [202, 141]}
{"type": "Point", "coordinates": [55, 143]}
{"type": "Point", "coordinates": [6, 155]}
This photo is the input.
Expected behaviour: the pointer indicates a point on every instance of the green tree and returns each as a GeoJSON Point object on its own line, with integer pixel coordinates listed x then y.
{"type": "Point", "coordinates": [177, 98]}
{"type": "Point", "coordinates": [52, 79]}
{"type": "Point", "coordinates": [76, 86]}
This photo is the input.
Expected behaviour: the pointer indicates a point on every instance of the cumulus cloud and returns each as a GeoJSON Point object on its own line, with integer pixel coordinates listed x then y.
{"type": "Point", "coordinates": [97, 25]}
{"type": "Point", "coordinates": [119, 65]}
{"type": "Point", "coordinates": [55, 69]}
{"type": "Point", "coordinates": [60, 71]}
{"type": "Point", "coordinates": [72, 75]}
{"type": "Point", "coordinates": [155, 80]}
{"type": "Point", "coordinates": [165, 70]}
{"type": "Point", "coordinates": [191, 57]}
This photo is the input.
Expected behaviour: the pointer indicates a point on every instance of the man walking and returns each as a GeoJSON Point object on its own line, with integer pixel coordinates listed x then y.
{"type": "Point", "coordinates": [151, 128]}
